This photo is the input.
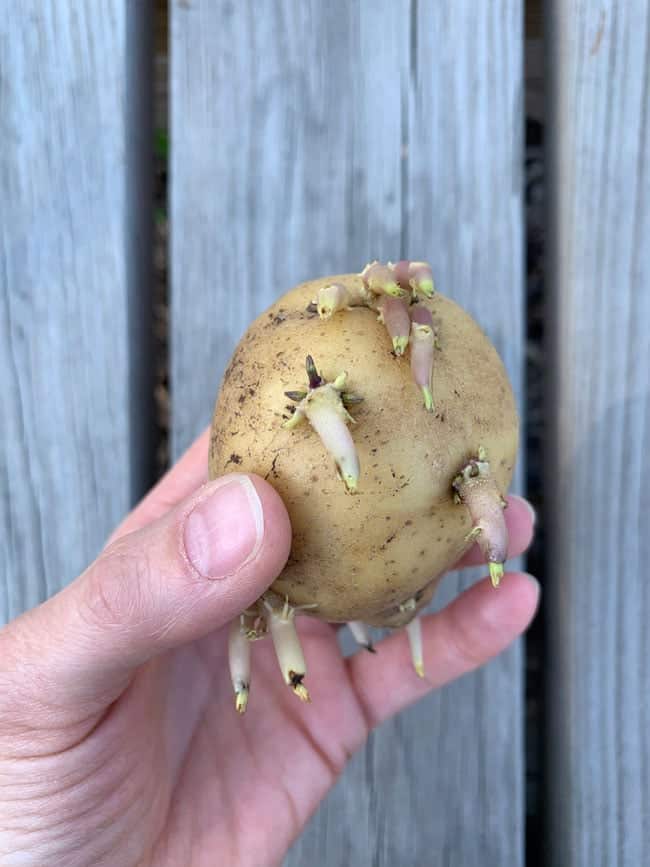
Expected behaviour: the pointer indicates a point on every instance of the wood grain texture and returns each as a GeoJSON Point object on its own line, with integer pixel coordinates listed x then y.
{"type": "Point", "coordinates": [598, 603]}
{"type": "Point", "coordinates": [68, 317]}
{"type": "Point", "coordinates": [308, 138]}
{"type": "Point", "coordinates": [285, 165]}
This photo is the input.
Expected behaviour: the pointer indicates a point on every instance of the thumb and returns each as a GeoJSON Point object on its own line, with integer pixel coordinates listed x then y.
{"type": "Point", "coordinates": [170, 583]}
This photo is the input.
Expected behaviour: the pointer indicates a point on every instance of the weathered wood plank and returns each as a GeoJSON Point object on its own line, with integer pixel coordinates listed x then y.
{"type": "Point", "coordinates": [598, 603]}
{"type": "Point", "coordinates": [308, 138]}
{"type": "Point", "coordinates": [71, 225]}
{"type": "Point", "coordinates": [278, 167]}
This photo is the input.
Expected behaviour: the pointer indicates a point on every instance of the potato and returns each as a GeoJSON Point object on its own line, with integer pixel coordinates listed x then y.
{"type": "Point", "coordinates": [375, 555]}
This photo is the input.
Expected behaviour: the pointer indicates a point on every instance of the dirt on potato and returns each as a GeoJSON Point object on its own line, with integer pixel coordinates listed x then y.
{"type": "Point", "coordinates": [373, 555]}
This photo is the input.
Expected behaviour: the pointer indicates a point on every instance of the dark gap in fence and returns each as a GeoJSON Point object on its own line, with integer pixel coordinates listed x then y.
{"type": "Point", "coordinates": [534, 418]}
{"type": "Point", "coordinates": [161, 238]}
{"type": "Point", "coordinates": [139, 207]}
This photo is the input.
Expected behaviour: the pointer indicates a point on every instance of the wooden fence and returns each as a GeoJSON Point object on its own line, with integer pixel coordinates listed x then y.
{"type": "Point", "coordinates": [307, 138]}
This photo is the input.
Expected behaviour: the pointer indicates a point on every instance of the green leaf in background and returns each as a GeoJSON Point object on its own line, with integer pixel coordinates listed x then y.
{"type": "Point", "coordinates": [161, 144]}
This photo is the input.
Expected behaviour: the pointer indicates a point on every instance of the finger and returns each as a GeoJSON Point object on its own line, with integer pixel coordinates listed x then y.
{"type": "Point", "coordinates": [170, 583]}
{"type": "Point", "coordinates": [520, 520]}
{"type": "Point", "coordinates": [190, 471]}
{"type": "Point", "coordinates": [475, 627]}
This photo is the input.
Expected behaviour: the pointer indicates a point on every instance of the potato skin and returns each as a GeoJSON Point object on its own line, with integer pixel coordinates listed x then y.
{"type": "Point", "coordinates": [360, 556]}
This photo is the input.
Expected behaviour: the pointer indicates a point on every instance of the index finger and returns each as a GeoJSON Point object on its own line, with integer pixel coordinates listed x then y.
{"type": "Point", "coordinates": [187, 474]}
{"type": "Point", "coordinates": [475, 627]}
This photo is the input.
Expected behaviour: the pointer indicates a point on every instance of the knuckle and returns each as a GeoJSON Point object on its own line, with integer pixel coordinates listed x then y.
{"type": "Point", "coordinates": [116, 588]}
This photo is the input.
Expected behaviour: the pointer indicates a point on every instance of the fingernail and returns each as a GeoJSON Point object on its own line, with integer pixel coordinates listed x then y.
{"type": "Point", "coordinates": [531, 511]}
{"type": "Point", "coordinates": [224, 530]}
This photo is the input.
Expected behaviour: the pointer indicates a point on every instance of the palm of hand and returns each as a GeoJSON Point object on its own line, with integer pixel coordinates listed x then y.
{"type": "Point", "coordinates": [188, 777]}
{"type": "Point", "coordinates": [104, 766]}
{"type": "Point", "coordinates": [244, 786]}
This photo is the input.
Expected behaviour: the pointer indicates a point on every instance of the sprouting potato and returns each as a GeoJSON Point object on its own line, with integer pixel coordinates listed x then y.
{"type": "Point", "coordinates": [384, 418]}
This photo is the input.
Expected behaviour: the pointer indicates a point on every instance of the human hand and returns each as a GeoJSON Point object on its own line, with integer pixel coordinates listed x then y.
{"type": "Point", "coordinates": [119, 742]}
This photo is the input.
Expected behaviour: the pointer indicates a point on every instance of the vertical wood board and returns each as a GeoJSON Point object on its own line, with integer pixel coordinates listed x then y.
{"type": "Point", "coordinates": [68, 315]}
{"type": "Point", "coordinates": [598, 677]}
{"type": "Point", "coordinates": [306, 139]}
